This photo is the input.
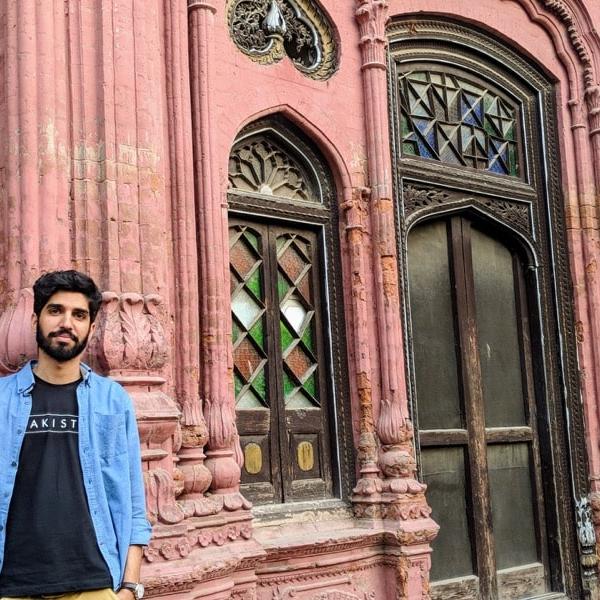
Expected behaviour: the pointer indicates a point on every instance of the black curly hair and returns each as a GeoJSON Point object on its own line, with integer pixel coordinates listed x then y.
{"type": "Point", "coordinates": [68, 281]}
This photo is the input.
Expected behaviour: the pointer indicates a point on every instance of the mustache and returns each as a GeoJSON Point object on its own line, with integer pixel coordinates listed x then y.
{"type": "Point", "coordinates": [63, 332]}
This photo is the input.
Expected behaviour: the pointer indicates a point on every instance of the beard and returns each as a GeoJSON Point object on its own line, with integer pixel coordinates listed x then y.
{"type": "Point", "coordinates": [60, 352]}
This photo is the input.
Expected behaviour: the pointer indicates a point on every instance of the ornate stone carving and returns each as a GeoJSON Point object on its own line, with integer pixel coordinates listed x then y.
{"type": "Point", "coordinates": [415, 198]}
{"type": "Point", "coordinates": [268, 30]}
{"type": "Point", "coordinates": [514, 213]}
{"type": "Point", "coordinates": [560, 9]}
{"type": "Point", "coordinates": [130, 333]}
{"type": "Point", "coordinates": [372, 17]}
{"type": "Point", "coordinates": [160, 497]}
{"type": "Point", "coordinates": [259, 166]}
{"type": "Point", "coordinates": [175, 548]}
{"type": "Point", "coordinates": [17, 341]}
{"type": "Point", "coordinates": [586, 536]}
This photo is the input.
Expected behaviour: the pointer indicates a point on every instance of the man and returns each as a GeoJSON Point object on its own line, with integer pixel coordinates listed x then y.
{"type": "Point", "coordinates": [72, 510]}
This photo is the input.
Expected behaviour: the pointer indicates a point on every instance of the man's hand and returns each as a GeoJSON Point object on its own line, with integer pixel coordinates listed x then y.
{"type": "Point", "coordinates": [125, 594]}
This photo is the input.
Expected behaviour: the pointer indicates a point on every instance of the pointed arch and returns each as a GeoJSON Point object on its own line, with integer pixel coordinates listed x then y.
{"type": "Point", "coordinates": [335, 161]}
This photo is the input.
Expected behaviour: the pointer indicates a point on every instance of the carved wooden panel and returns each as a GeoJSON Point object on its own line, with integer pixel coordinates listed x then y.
{"type": "Point", "coordinates": [427, 199]}
{"type": "Point", "coordinates": [260, 166]}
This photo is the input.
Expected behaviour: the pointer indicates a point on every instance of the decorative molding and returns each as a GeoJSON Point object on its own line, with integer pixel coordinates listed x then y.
{"type": "Point", "coordinates": [267, 580]}
{"type": "Point", "coordinates": [561, 11]}
{"type": "Point", "coordinates": [130, 333]}
{"type": "Point", "coordinates": [17, 341]}
{"type": "Point", "coordinates": [173, 549]}
{"type": "Point", "coordinates": [417, 199]}
{"type": "Point", "coordinates": [268, 30]}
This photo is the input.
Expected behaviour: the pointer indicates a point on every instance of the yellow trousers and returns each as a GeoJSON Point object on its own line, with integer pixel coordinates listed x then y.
{"type": "Point", "coordinates": [105, 594]}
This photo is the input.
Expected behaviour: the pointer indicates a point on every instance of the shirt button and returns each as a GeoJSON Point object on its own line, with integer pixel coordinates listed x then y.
{"type": "Point", "coordinates": [19, 431]}
{"type": "Point", "coordinates": [13, 463]}
{"type": "Point", "coordinates": [1, 527]}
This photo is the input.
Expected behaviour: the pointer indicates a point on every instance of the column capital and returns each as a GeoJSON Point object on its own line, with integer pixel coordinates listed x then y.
{"type": "Point", "coordinates": [592, 97]}
{"type": "Point", "coordinates": [372, 17]}
{"type": "Point", "coordinates": [202, 4]}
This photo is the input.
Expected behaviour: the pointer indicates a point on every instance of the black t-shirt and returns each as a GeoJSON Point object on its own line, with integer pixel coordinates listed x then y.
{"type": "Point", "coordinates": [51, 547]}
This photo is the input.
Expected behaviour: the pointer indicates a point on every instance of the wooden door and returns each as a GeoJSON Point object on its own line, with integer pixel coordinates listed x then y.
{"type": "Point", "coordinates": [279, 350]}
{"type": "Point", "coordinates": [477, 412]}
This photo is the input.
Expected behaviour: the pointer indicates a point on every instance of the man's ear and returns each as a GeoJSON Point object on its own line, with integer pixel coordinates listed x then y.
{"type": "Point", "coordinates": [92, 330]}
{"type": "Point", "coordinates": [34, 321]}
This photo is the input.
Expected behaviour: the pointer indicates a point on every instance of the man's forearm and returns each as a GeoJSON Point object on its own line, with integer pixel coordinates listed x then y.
{"type": "Point", "coordinates": [134, 564]}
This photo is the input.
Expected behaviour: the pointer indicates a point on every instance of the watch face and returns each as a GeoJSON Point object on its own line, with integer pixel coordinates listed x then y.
{"type": "Point", "coordinates": [139, 591]}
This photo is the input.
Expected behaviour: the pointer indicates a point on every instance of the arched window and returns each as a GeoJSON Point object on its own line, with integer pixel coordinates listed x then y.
{"type": "Point", "coordinates": [285, 319]}
{"type": "Point", "coordinates": [488, 309]}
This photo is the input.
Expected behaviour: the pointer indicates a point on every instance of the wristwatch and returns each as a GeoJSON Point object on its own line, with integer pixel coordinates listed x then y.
{"type": "Point", "coordinates": [136, 588]}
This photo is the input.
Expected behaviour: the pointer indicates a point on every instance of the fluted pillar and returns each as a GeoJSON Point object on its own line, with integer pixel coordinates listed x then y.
{"type": "Point", "coordinates": [213, 251]}
{"type": "Point", "coordinates": [35, 157]}
{"type": "Point", "coordinates": [403, 497]}
{"type": "Point", "coordinates": [194, 434]}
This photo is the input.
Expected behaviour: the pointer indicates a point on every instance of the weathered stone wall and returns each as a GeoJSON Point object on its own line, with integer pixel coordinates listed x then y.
{"type": "Point", "coordinates": [116, 121]}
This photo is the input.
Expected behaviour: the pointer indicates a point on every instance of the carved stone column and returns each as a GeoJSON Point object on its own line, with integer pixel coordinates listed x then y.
{"type": "Point", "coordinates": [367, 493]}
{"type": "Point", "coordinates": [403, 497]}
{"type": "Point", "coordinates": [215, 360]}
{"type": "Point", "coordinates": [130, 346]}
{"type": "Point", "coordinates": [35, 159]}
{"type": "Point", "coordinates": [194, 433]}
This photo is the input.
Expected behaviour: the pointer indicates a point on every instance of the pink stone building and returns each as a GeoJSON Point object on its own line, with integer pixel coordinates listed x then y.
{"type": "Point", "coordinates": [350, 252]}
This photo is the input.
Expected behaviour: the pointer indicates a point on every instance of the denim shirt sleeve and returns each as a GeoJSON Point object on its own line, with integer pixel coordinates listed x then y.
{"type": "Point", "coordinates": [141, 530]}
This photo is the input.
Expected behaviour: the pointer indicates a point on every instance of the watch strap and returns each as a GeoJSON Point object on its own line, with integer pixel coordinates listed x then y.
{"type": "Point", "coordinates": [128, 585]}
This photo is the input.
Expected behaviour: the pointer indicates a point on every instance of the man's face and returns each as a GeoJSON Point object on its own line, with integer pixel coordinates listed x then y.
{"type": "Point", "coordinates": [63, 327]}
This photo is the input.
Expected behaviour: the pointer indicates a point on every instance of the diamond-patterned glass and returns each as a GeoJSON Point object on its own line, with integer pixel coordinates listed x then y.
{"type": "Point", "coordinates": [297, 322]}
{"type": "Point", "coordinates": [444, 117]}
{"type": "Point", "coordinates": [249, 318]}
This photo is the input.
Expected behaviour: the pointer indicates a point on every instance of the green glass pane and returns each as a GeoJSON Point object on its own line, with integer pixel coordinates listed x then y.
{"type": "Point", "coordinates": [510, 131]}
{"type": "Point", "coordinates": [281, 240]}
{"type": "Point", "coordinates": [238, 383]}
{"type": "Point", "coordinates": [282, 285]}
{"type": "Point", "coordinates": [307, 339]}
{"type": "Point", "coordinates": [252, 238]}
{"type": "Point", "coordinates": [488, 102]}
{"type": "Point", "coordinates": [419, 76]}
{"type": "Point", "coordinates": [259, 384]}
{"type": "Point", "coordinates": [257, 333]}
{"type": "Point", "coordinates": [513, 165]}
{"type": "Point", "coordinates": [255, 284]}
{"type": "Point", "coordinates": [410, 148]}
{"type": "Point", "coordinates": [286, 337]}
{"type": "Point", "coordinates": [310, 385]}
{"type": "Point", "coordinates": [288, 385]}
{"type": "Point", "coordinates": [235, 331]}
{"type": "Point", "coordinates": [406, 129]}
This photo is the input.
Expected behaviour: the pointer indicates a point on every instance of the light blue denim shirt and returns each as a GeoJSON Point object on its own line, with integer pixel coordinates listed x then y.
{"type": "Point", "coordinates": [109, 451]}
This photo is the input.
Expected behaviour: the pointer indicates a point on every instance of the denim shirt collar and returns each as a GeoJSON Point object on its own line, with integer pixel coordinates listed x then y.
{"type": "Point", "coordinates": [26, 379]}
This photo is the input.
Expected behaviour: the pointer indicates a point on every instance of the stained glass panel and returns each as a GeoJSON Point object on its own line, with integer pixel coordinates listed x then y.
{"type": "Point", "coordinates": [248, 318]}
{"type": "Point", "coordinates": [444, 117]}
{"type": "Point", "coordinates": [300, 388]}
